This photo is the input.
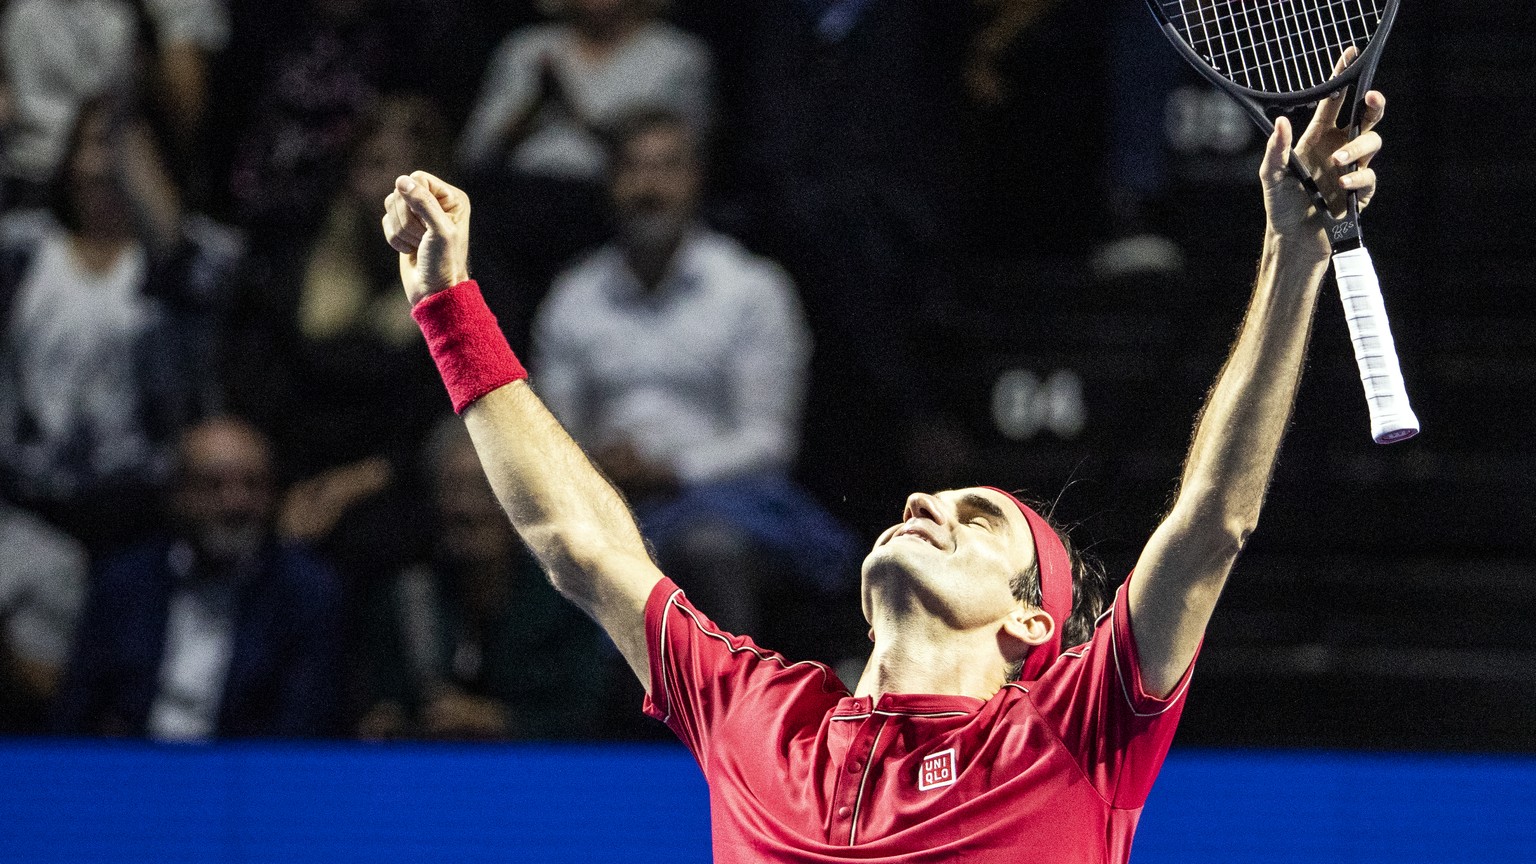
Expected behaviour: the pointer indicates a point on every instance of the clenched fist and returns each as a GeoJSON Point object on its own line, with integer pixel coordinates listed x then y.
{"type": "Point", "coordinates": [427, 222]}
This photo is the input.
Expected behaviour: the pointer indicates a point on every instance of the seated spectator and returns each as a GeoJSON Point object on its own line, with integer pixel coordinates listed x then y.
{"type": "Point", "coordinates": [323, 356]}
{"type": "Point", "coordinates": [849, 166]}
{"type": "Point", "coordinates": [475, 644]}
{"type": "Point", "coordinates": [322, 353]}
{"type": "Point", "coordinates": [217, 630]}
{"type": "Point", "coordinates": [109, 303]}
{"type": "Point", "coordinates": [679, 360]}
{"type": "Point", "coordinates": [60, 55]}
{"type": "Point", "coordinates": [533, 143]}
{"type": "Point", "coordinates": [42, 578]}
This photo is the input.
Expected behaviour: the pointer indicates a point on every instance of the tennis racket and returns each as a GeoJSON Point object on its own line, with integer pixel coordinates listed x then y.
{"type": "Point", "coordinates": [1276, 55]}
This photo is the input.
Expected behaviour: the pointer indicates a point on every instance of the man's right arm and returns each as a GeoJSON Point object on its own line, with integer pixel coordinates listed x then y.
{"type": "Point", "coordinates": [568, 514]}
{"type": "Point", "coordinates": [566, 511]}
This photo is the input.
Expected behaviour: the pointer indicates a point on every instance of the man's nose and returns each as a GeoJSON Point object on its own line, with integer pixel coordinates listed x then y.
{"type": "Point", "coordinates": [923, 506]}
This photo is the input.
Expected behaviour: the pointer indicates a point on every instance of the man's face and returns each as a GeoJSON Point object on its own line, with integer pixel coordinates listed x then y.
{"type": "Point", "coordinates": [656, 184]}
{"type": "Point", "coordinates": [956, 553]}
{"type": "Point", "coordinates": [225, 497]}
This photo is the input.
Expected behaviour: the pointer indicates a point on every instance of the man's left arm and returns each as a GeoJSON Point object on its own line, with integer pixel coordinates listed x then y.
{"type": "Point", "coordinates": [1182, 571]}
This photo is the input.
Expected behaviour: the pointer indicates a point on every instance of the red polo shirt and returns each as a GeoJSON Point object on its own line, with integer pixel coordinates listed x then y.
{"type": "Point", "coordinates": [1054, 770]}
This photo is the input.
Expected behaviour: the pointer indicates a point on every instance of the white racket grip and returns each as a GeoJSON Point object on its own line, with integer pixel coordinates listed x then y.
{"type": "Point", "coordinates": [1392, 419]}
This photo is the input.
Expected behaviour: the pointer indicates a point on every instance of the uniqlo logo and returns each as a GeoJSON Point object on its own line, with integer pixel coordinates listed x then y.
{"type": "Point", "coordinates": [937, 770]}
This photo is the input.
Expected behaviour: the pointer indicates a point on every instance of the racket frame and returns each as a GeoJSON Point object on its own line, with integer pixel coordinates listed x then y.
{"type": "Point", "coordinates": [1343, 232]}
{"type": "Point", "coordinates": [1396, 421]}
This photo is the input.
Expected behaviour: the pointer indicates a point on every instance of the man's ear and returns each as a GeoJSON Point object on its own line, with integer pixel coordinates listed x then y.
{"type": "Point", "coordinates": [1029, 625]}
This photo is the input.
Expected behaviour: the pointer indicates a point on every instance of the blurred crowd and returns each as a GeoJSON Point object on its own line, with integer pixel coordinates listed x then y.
{"type": "Point", "coordinates": [233, 501]}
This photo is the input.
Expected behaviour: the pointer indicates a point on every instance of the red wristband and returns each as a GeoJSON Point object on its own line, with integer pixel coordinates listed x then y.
{"type": "Point", "coordinates": [468, 346]}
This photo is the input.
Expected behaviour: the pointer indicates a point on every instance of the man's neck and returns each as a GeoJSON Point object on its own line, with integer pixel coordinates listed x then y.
{"type": "Point", "coordinates": [913, 660]}
{"type": "Point", "coordinates": [651, 265]}
{"type": "Point", "coordinates": [599, 39]}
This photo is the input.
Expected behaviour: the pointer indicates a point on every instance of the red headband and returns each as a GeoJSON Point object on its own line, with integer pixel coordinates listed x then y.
{"type": "Point", "coordinates": [1055, 587]}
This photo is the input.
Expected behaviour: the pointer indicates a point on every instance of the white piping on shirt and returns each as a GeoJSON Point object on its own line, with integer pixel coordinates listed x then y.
{"type": "Point", "coordinates": [1173, 699]}
{"type": "Point", "coordinates": [672, 601]}
{"type": "Point", "coordinates": [883, 713]}
{"type": "Point", "coordinates": [858, 801]}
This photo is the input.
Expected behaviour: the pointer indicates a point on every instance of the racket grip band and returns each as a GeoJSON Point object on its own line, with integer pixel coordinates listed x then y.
{"type": "Point", "coordinates": [466, 343]}
{"type": "Point", "coordinates": [1392, 418]}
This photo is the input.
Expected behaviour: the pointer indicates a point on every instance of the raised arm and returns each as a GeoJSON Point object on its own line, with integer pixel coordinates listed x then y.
{"type": "Point", "coordinates": [566, 511]}
{"type": "Point", "coordinates": [1183, 568]}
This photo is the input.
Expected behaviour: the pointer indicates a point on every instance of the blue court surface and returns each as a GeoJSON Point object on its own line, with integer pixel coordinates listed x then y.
{"type": "Point", "coordinates": [122, 802]}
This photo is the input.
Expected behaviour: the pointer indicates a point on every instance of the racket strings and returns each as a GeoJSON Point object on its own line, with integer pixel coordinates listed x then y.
{"type": "Point", "coordinates": [1274, 46]}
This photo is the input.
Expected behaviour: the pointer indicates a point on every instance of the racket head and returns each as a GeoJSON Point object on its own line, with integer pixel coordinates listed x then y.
{"type": "Point", "coordinates": [1279, 53]}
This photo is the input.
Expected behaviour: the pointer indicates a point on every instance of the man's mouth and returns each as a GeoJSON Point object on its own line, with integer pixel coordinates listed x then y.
{"type": "Point", "coordinates": [919, 529]}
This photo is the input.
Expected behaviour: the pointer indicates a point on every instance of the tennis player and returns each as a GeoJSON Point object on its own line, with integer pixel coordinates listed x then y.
{"type": "Point", "coordinates": [972, 735]}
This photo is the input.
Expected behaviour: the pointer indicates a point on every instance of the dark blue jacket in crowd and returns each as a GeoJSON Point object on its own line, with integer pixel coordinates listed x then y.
{"type": "Point", "coordinates": [284, 674]}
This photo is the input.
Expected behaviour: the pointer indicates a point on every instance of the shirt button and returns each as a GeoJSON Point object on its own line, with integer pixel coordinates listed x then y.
{"type": "Point", "coordinates": [843, 812]}
{"type": "Point", "coordinates": [855, 767]}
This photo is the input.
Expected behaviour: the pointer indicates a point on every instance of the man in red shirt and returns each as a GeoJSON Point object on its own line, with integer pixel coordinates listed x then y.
{"type": "Point", "coordinates": [972, 736]}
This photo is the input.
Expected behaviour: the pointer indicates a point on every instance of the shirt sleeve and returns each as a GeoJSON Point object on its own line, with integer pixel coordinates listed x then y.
{"type": "Point", "coordinates": [768, 370]}
{"type": "Point", "coordinates": [701, 676]}
{"type": "Point", "coordinates": [1094, 699]}
{"type": "Point", "coordinates": [511, 83]}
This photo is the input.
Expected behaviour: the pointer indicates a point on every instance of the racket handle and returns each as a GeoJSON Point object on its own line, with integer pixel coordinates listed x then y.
{"type": "Point", "coordinates": [1392, 419]}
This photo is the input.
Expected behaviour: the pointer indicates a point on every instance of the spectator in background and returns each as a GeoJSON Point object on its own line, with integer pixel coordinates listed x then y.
{"type": "Point", "coordinates": [109, 303]}
{"type": "Point", "coordinates": [533, 144]}
{"type": "Point", "coordinates": [42, 580]}
{"type": "Point", "coordinates": [62, 54]}
{"type": "Point", "coordinates": [847, 113]}
{"type": "Point", "coordinates": [475, 644]}
{"type": "Point", "coordinates": [218, 630]}
{"type": "Point", "coordinates": [679, 361]}
{"type": "Point", "coordinates": [322, 352]}
{"type": "Point", "coordinates": [323, 356]}
{"type": "Point", "coordinates": [312, 78]}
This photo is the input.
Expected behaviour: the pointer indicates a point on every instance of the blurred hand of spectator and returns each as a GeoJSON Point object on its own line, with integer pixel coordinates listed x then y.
{"type": "Point", "coordinates": [42, 583]}
{"type": "Point", "coordinates": [7, 106]}
{"type": "Point", "coordinates": [1007, 19]}
{"type": "Point", "coordinates": [386, 720]}
{"type": "Point", "coordinates": [454, 715]}
{"type": "Point", "coordinates": [147, 184]}
{"type": "Point", "coordinates": [312, 508]}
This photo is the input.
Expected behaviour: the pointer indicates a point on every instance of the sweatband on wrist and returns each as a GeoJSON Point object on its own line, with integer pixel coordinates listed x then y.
{"type": "Point", "coordinates": [466, 343]}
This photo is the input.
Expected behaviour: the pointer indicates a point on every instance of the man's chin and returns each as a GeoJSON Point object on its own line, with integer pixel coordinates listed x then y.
{"type": "Point", "coordinates": [900, 558]}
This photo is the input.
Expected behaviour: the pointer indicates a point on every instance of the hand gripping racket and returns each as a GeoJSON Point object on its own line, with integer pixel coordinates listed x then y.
{"type": "Point", "coordinates": [1281, 54]}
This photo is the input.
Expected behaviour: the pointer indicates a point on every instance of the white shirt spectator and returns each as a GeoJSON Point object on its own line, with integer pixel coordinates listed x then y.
{"type": "Point", "coordinates": [74, 337]}
{"type": "Point", "coordinates": [199, 644]}
{"type": "Point", "coordinates": [659, 66]}
{"type": "Point", "coordinates": [60, 54]}
{"type": "Point", "coordinates": [707, 374]}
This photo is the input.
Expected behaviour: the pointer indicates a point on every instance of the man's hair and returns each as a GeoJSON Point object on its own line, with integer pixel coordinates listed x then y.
{"type": "Point", "coordinates": [1090, 592]}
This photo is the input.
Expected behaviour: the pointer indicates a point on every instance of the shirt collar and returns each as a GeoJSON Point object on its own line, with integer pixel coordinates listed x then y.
{"type": "Point", "coordinates": [909, 704]}
{"type": "Point", "coordinates": [684, 272]}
